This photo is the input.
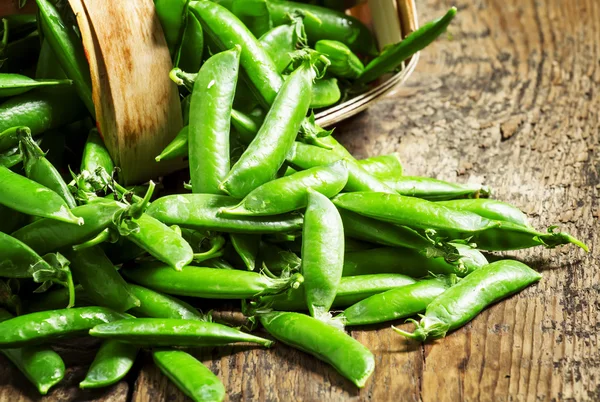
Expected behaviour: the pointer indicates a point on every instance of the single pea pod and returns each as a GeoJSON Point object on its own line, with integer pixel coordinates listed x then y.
{"type": "Point", "coordinates": [410, 262]}
{"type": "Point", "coordinates": [40, 170]}
{"type": "Point", "coordinates": [95, 154]}
{"type": "Point", "coordinates": [463, 301]}
{"type": "Point", "coordinates": [178, 148]}
{"type": "Point", "coordinates": [246, 246]}
{"type": "Point", "coordinates": [280, 41]}
{"type": "Point", "coordinates": [396, 303]}
{"type": "Point", "coordinates": [17, 84]}
{"type": "Point", "coordinates": [490, 209]}
{"type": "Point", "coordinates": [173, 332]}
{"type": "Point", "coordinates": [192, 377]}
{"type": "Point", "coordinates": [201, 212]}
{"type": "Point", "coordinates": [158, 305]}
{"type": "Point", "coordinates": [434, 189]}
{"type": "Point", "coordinates": [45, 326]}
{"type": "Point", "coordinates": [246, 126]}
{"type": "Point", "coordinates": [304, 156]}
{"type": "Point", "coordinates": [322, 254]}
{"type": "Point", "coordinates": [224, 29]}
{"type": "Point", "coordinates": [209, 283]}
{"type": "Point", "coordinates": [344, 63]}
{"type": "Point", "coordinates": [351, 289]}
{"type": "Point", "coordinates": [348, 356]}
{"type": "Point", "coordinates": [392, 56]}
{"type": "Point", "coordinates": [102, 283]}
{"type": "Point", "coordinates": [267, 152]}
{"type": "Point", "coordinates": [113, 361]}
{"type": "Point", "coordinates": [210, 121]}
{"type": "Point", "coordinates": [190, 52]}
{"type": "Point", "coordinates": [41, 365]}
{"type": "Point", "coordinates": [68, 50]}
{"type": "Point", "coordinates": [326, 92]}
{"type": "Point", "coordinates": [11, 158]}
{"type": "Point", "coordinates": [328, 24]}
{"type": "Point", "coordinates": [383, 166]}
{"type": "Point", "coordinates": [27, 196]}
{"type": "Point", "coordinates": [171, 14]}
{"type": "Point", "coordinates": [289, 193]}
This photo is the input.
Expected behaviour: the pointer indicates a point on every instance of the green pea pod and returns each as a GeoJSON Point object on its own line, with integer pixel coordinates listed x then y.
{"type": "Point", "coordinates": [322, 254]}
{"type": "Point", "coordinates": [26, 196]}
{"type": "Point", "coordinates": [254, 14]}
{"type": "Point", "coordinates": [21, 24]}
{"type": "Point", "coordinates": [210, 120]}
{"type": "Point", "coordinates": [11, 158]}
{"type": "Point", "coordinates": [351, 290]}
{"type": "Point", "coordinates": [40, 110]}
{"type": "Point", "coordinates": [434, 189]}
{"type": "Point", "coordinates": [68, 49]}
{"type": "Point", "coordinates": [491, 209]}
{"type": "Point", "coordinates": [16, 84]}
{"type": "Point", "coordinates": [162, 242]}
{"type": "Point", "coordinates": [173, 332]}
{"type": "Point", "coordinates": [189, 375]}
{"type": "Point", "coordinates": [40, 170]}
{"type": "Point", "coordinates": [102, 283]}
{"type": "Point", "coordinates": [178, 148]}
{"type": "Point", "coordinates": [396, 303]}
{"type": "Point", "coordinates": [112, 362]}
{"type": "Point", "coordinates": [245, 126]}
{"type": "Point", "coordinates": [304, 156]}
{"type": "Point", "coordinates": [280, 41]}
{"type": "Point", "coordinates": [344, 63]}
{"type": "Point", "coordinates": [11, 220]}
{"type": "Point", "coordinates": [42, 366]}
{"type": "Point", "coordinates": [209, 283]}
{"type": "Point", "coordinates": [95, 154]}
{"type": "Point", "coordinates": [266, 153]}
{"type": "Point", "coordinates": [328, 24]}
{"type": "Point", "coordinates": [246, 245]}
{"type": "Point", "coordinates": [45, 326]}
{"type": "Point", "coordinates": [463, 301]}
{"type": "Point", "coordinates": [277, 259]}
{"type": "Point", "coordinates": [226, 31]}
{"type": "Point", "coordinates": [392, 56]}
{"type": "Point", "coordinates": [289, 193]}
{"type": "Point", "coordinates": [201, 212]}
{"type": "Point", "coordinates": [171, 16]}
{"type": "Point", "coordinates": [383, 166]}
{"type": "Point", "coordinates": [326, 92]}
{"type": "Point", "coordinates": [410, 262]}
{"type": "Point", "coordinates": [157, 305]}
{"type": "Point", "coordinates": [56, 299]}
{"type": "Point", "coordinates": [348, 356]}
{"type": "Point", "coordinates": [190, 52]}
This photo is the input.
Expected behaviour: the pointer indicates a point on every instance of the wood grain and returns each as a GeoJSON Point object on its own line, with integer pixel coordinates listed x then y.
{"type": "Point", "coordinates": [510, 99]}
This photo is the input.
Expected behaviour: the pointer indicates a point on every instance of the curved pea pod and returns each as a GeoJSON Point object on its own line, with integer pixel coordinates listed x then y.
{"type": "Point", "coordinates": [344, 63]}
{"type": "Point", "coordinates": [68, 50]}
{"type": "Point", "coordinates": [226, 31]}
{"type": "Point", "coordinates": [173, 332]}
{"type": "Point", "coordinates": [102, 283]}
{"type": "Point", "coordinates": [246, 246]}
{"type": "Point", "coordinates": [157, 305]}
{"type": "Point", "coordinates": [304, 156]}
{"type": "Point", "coordinates": [326, 92]}
{"type": "Point", "coordinates": [322, 254]}
{"type": "Point", "coordinates": [42, 366]}
{"type": "Point", "coordinates": [210, 283]}
{"type": "Point", "coordinates": [40, 170]}
{"type": "Point", "coordinates": [280, 41]}
{"type": "Point", "coordinates": [189, 375]}
{"type": "Point", "coordinates": [491, 209]}
{"type": "Point", "coordinates": [178, 148]}
{"type": "Point", "coordinates": [434, 189]}
{"type": "Point", "coordinates": [289, 193]}
{"type": "Point", "coordinates": [201, 212]}
{"type": "Point", "coordinates": [351, 289]}
{"type": "Point", "coordinates": [348, 356]}
{"type": "Point", "coordinates": [463, 301]}
{"type": "Point", "coordinates": [95, 154]}
{"type": "Point", "coordinates": [162, 242]}
{"type": "Point", "coordinates": [410, 262]}
{"type": "Point", "coordinates": [328, 24]}
{"type": "Point", "coordinates": [210, 121]}
{"type": "Point", "coordinates": [392, 56]}
{"type": "Point", "coordinates": [16, 84]}
{"type": "Point", "coordinates": [171, 13]}
{"type": "Point", "coordinates": [27, 196]}
{"type": "Point", "coordinates": [44, 326]}
{"type": "Point", "coordinates": [383, 166]}
{"type": "Point", "coordinates": [112, 362]}
{"type": "Point", "coordinates": [396, 303]}
{"type": "Point", "coordinates": [267, 152]}
{"type": "Point", "coordinates": [191, 49]}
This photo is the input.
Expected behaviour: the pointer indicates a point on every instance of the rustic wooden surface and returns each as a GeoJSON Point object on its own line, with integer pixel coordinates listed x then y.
{"type": "Point", "coordinates": [511, 100]}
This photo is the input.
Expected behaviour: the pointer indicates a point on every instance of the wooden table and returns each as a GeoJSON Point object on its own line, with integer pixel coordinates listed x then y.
{"type": "Point", "coordinates": [509, 98]}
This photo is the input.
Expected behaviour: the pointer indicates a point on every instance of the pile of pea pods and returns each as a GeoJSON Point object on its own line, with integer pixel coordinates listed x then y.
{"type": "Point", "coordinates": [274, 213]}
